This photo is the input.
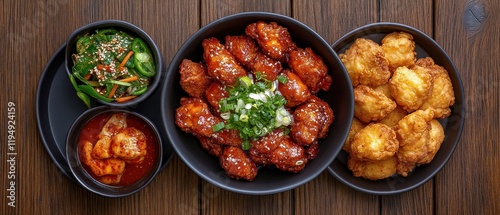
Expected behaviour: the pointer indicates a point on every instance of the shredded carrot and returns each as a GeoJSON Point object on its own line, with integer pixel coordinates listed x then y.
{"type": "Point", "coordinates": [113, 91]}
{"type": "Point", "coordinates": [125, 98]}
{"type": "Point", "coordinates": [133, 78]}
{"type": "Point", "coordinates": [87, 77]}
{"type": "Point", "coordinates": [127, 57]}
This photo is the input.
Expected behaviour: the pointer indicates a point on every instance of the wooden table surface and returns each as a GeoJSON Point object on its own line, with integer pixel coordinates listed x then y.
{"type": "Point", "coordinates": [32, 31]}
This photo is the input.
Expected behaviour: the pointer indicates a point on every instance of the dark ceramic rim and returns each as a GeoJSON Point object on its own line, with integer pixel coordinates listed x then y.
{"type": "Point", "coordinates": [171, 129]}
{"type": "Point", "coordinates": [383, 27]}
{"type": "Point", "coordinates": [129, 28]}
{"type": "Point", "coordinates": [90, 183]}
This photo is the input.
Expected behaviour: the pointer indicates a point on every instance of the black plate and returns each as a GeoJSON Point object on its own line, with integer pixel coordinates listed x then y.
{"type": "Point", "coordinates": [452, 125]}
{"type": "Point", "coordinates": [57, 107]}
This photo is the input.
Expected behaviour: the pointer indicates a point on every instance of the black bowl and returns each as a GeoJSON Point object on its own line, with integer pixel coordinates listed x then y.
{"type": "Point", "coordinates": [85, 179]}
{"type": "Point", "coordinates": [425, 47]}
{"type": "Point", "coordinates": [268, 181]}
{"type": "Point", "coordinates": [131, 30]}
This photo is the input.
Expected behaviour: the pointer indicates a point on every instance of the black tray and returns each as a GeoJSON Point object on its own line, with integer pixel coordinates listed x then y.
{"type": "Point", "coordinates": [57, 107]}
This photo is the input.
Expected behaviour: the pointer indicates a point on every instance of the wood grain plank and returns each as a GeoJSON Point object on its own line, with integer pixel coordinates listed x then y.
{"type": "Point", "coordinates": [418, 14]}
{"type": "Point", "coordinates": [220, 201]}
{"type": "Point", "coordinates": [469, 32]}
{"type": "Point", "coordinates": [332, 19]}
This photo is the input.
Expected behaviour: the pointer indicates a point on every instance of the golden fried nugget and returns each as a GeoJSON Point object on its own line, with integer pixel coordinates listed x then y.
{"type": "Point", "coordinates": [442, 95]}
{"type": "Point", "coordinates": [366, 63]}
{"type": "Point", "coordinates": [410, 87]}
{"type": "Point", "coordinates": [370, 105]}
{"type": "Point", "coordinates": [374, 142]}
{"type": "Point", "coordinates": [413, 136]}
{"type": "Point", "coordinates": [194, 78]}
{"type": "Point", "coordinates": [399, 49]}
{"type": "Point", "coordinates": [373, 170]}
{"type": "Point", "coordinates": [393, 117]}
{"type": "Point", "coordinates": [436, 134]}
{"type": "Point", "coordinates": [355, 127]}
{"type": "Point", "coordinates": [384, 88]}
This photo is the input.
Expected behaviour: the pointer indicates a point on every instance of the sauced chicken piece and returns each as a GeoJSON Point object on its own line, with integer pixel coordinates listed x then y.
{"type": "Point", "coordinates": [194, 116]}
{"type": "Point", "coordinates": [262, 148]}
{"type": "Point", "coordinates": [129, 145]}
{"type": "Point", "coordinates": [294, 90]}
{"type": "Point", "coordinates": [221, 64]}
{"type": "Point", "coordinates": [194, 78]}
{"type": "Point", "coordinates": [110, 179]}
{"type": "Point", "coordinates": [312, 150]}
{"type": "Point", "coordinates": [289, 156]}
{"type": "Point", "coordinates": [210, 145]}
{"type": "Point", "coordinates": [310, 68]}
{"type": "Point", "coordinates": [214, 94]}
{"type": "Point", "coordinates": [247, 52]}
{"type": "Point", "coordinates": [366, 63]}
{"type": "Point", "coordinates": [101, 167]}
{"type": "Point", "coordinates": [274, 40]}
{"type": "Point", "coordinates": [237, 164]}
{"type": "Point", "coordinates": [311, 121]}
{"type": "Point", "coordinates": [115, 124]}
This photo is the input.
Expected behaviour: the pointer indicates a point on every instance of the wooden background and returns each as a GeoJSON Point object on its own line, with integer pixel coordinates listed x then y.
{"type": "Point", "coordinates": [32, 30]}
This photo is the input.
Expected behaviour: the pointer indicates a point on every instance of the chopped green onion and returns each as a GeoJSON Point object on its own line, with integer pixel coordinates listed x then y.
{"type": "Point", "coordinates": [282, 79]}
{"type": "Point", "coordinates": [217, 127]}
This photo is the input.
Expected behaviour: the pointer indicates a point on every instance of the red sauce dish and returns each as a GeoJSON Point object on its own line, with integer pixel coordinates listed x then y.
{"type": "Point", "coordinates": [113, 152]}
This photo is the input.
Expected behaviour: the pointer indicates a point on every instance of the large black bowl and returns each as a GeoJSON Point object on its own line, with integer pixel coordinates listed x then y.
{"type": "Point", "coordinates": [268, 181]}
{"type": "Point", "coordinates": [425, 46]}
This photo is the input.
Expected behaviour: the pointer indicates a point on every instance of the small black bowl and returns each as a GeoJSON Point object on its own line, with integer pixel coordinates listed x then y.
{"type": "Point", "coordinates": [127, 28]}
{"type": "Point", "coordinates": [452, 125]}
{"type": "Point", "coordinates": [85, 179]}
{"type": "Point", "coordinates": [268, 181]}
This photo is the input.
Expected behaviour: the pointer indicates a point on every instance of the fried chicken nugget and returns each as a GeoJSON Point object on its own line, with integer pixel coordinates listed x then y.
{"type": "Point", "coordinates": [399, 49]}
{"type": "Point", "coordinates": [274, 40]}
{"type": "Point", "coordinates": [356, 125]}
{"type": "Point", "coordinates": [242, 47]}
{"type": "Point", "coordinates": [263, 147]}
{"type": "Point", "coordinates": [393, 117]}
{"type": "Point", "coordinates": [194, 78]}
{"type": "Point", "coordinates": [442, 95]}
{"type": "Point", "coordinates": [373, 170]}
{"type": "Point", "coordinates": [310, 68]}
{"type": "Point", "coordinates": [289, 156]}
{"type": "Point", "coordinates": [374, 142]}
{"type": "Point", "coordinates": [221, 64]}
{"type": "Point", "coordinates": [371, 105]}
{"type": "Point", "coordinates": [237, 164]}
{"type": "Point", "coordinates": [436, 137]}
{"type": "Point", "coordinates": [366, 63]}
{"type": "Point", "coordinates": [413, 134]}
{"type": "Point", "coordinates": [294, 90]}
{"type": "Point", "coordinates": [214, 94]}
{"type": "Point", "coordinates": [410, 87]}
{"type": "Point", "coordinates": [311, 120]}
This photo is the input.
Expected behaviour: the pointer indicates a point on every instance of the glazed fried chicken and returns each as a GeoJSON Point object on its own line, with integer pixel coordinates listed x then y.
{"type": "Point", "coordinates": [399, 49]}
{"type": "Point", "coordinates": [311, 121]}
{"type": "Point", "coordinates": [294, 90]}
{"type": "Point", "coordinates": [274, 40]}
{"type": "Point", "coordinates": [310, 68]}
{"type": "Point", "coordinates": [221, 64]}
{"type": "Point", "coordinates": [366, 63]}
{"type": "Point", "coordinates": [262, 148]}
{"type": "Point", "coordinates": [237, 164]}
{"type": "Point", "coordinates": [214, 94]}
{"type": "Point", "coordinates": [289, 156]}
{"type": "Point", "coordinates": [371, 105]}
{"type": "Point", "coordinates": [194, 78]}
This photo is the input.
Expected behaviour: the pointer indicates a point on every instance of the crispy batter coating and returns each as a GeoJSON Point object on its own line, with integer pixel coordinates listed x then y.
{"type": "Point", "coordinates": [310, 68]}
{"type": "Point", "coordinates": [399, 49]}
{"type": "Point", "coordinates": [194, 78]}
{"type": "Point", "coordinates": [373, 170]}
{"type": "Point", "coordinates": [410, 87]}
{"type": "Point", "coordinates": [356, 125]}
{"type": "Point", "coordinates": [274, 40]}
{"type": "Point", "coordinates": [289, 156]}
{"type": "Point", "coordinates": [374, 142]}
{"type": "Point", "coordinates": [413, 136]}
{"type": "Point", "coordinates": [221, 64]}
{"type": "Point", "coordinates": [294, 90]}
{"type": "Point", "coordinates": [262, 148]}
{"type": "Point", "coordinates": [366, 63]}
{"type": "Point", "coordinates": [311, 121]}
{"type": "Point", "coordinates": [371, 105]}
{"type": "Point", "coordinates": [442, 95]}
{"type": "Point", "coordinates": [436, 137]}
{"type": "Point", "coordinates": [384, 88]}
{"type": "Point", "coordinates": [214, 94]}
{"type": "Point", "coordinates": [237, 164]}
{"type": "Point", "coordinates": [393, 117]}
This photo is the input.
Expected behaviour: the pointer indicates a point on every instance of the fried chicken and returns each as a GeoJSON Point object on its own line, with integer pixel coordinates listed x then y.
{"type": "Point", "coordinates": [310, 68]}
{"type": "Point", "coordinates": [294, 90]}
{"type": "Point", "coordinates": [374, 142]}
{"type": "Point", "coordinates": [399, 49]}
{"type": "Point", "coordinates": [274, 40]}
{"type": "Point", "coordinates": [371, 105]}
{"type": "Point", "coordinates": [221, 64]}
{"type": "Point", "coordinates": [411, 87]}
{"type": "Point", "coordinates": [373, 170]}
{"type": "Point", "coordinates": [194, 78]}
